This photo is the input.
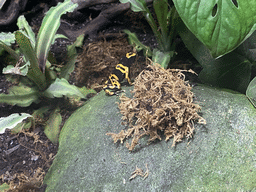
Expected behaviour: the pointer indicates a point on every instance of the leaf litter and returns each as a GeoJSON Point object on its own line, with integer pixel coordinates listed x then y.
{"type": "Point", "coordinates": [162, 103]}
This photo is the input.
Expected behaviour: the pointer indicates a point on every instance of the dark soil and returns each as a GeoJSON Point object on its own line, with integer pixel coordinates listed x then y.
{"type": "Point", "coordinates": [27, 156]}
{"type": "Point", "coordinates": [23, 155]}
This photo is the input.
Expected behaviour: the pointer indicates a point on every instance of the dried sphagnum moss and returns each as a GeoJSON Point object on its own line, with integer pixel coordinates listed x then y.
{"type": "Point", "coordinates": [162, 101]}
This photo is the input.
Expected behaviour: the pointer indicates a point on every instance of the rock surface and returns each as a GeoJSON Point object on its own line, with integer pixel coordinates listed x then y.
{"type": "Point", "coordinates": [220, 157]}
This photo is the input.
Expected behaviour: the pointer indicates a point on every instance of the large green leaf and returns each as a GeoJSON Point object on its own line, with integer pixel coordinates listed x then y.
{"type": "Point", "coordinates": [20, 95]}
{"type": "Point", "coordinates": [196, 47]}
{"type": "Point", "coordinates": [248, 48]}
{"type": "Point", "coordinates": [60, 88]}
{"type": "Point", "coordinates": [221, 25]}
{"type": "Point", "coordinates": [251, 92]}
{"type": "Point", "coordinates": [48, 29]}
{"type": "Point", "coordinates": [12, 121]}
{"type": "Point", "coordinates": [232, 71]}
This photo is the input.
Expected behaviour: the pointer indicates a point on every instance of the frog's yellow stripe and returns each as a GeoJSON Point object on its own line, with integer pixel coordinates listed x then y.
{"type": "Point", "coordinates": [113, 84]}
{"type": "Point", "coordinates": [129, 55]}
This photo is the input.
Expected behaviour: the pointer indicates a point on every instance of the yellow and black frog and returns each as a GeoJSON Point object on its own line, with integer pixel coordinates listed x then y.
{"type": "Point", "coordinates": [121, 72]}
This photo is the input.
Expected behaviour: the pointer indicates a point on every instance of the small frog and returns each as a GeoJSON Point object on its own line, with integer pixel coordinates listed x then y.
{"type": "Point", "coordinates": [121, 72]}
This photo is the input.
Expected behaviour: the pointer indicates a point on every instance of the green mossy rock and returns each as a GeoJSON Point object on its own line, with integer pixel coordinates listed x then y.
{"type": "Point", "coordinates": [220, 157]}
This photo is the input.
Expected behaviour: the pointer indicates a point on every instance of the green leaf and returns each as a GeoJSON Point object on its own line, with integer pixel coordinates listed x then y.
{"type": "Point", "coordinates": [20, 95]}
{"type": "Point", "coordinates": [248, 48]}
{"type": "Point", "coordinates": [58, 36]}
{"type": "Point", "coordinates": [162, 58]}
{"type": "Point", "coordinates": [60, 88]}
{"type": "Point", "coordinates": [221, 25]}
{"type": "Point", "coordinates": [24, 27]}
{"type": "Point", "coordinates": [48, 29]}
{"type": "Point", "coordinates": [34, 73]}
{"type": "Point", "coordinates": [231, 71]}
{"type": "Point", "coordinates": [12, 121]}
{"type": "Point", "coordinates": [23, 125]}
{"type": "Point", "coordinates": [72, 55]}
{"type": "Point", "coordinates": [133, 40]}
{"type": "Point", "coordinates": [251, 92]}
{"type": "Point", "coordinates": [52, 128]}
{"type": "Point", "coordinates": [50, 74]}
{"type": "Point", "coordinates": [136, 5]}
{"type": "Point", "coordinates": [196, 47]}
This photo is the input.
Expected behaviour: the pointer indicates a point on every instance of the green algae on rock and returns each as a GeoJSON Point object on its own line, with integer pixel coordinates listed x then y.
{"type": "Point", "coordinates": [220, 157]}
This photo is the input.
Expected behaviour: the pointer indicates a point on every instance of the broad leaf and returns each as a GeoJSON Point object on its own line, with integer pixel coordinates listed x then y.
{"type": "Point", "coordinates": [48, 29]}
{"type": "Point", "coordinates": [60, 88]}
{"type": "Point", "coordinates": [231, 71]}
{"type": "Point", "coordinates": [221, 25]}
{"type": "Point", "coordinates": [20, 95]}
{"type": "Point", "coordinates": [52, 128]}
{"type": "Point", "coordinates": [12, 121]}
{"type": "Point", "coordinates": [196, 47]}
{"type": "Point", "coordinates": [251, 92]}
{"type": "Point", "coordinates": [248, 48]}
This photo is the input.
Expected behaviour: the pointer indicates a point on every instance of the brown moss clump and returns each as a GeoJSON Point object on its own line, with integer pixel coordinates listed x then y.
{"type": "Point", "coordinates": [99, 59]}
{"type": "Point", "coordinates": [139, 172]}
{"type": "Point", "coordinates": [162, 101]}
{"type": "Point", "coordinates": [26, 181]}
